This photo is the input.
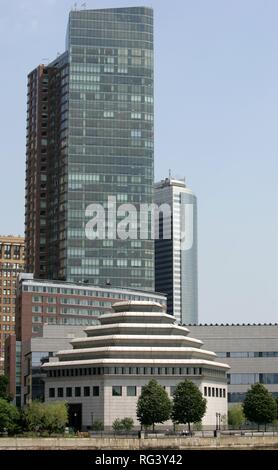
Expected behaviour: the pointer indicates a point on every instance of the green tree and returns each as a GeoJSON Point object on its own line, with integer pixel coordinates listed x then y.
{"type": "Point", "coordinates": [55, 416]}
{"type": "Point", "coordinates": [259, 405]}
{"type": "Point", "coordinates": [189, 405]}
{"type": "Point", "coordinates": [50, 417]}
{"type": "Point", "coordinates": [127, 424]}
{"type": "Point", "coordinates": [97, 425]}
{"type": "Point", "coordinates": [236, 416]}
{"type": "Point", "coordinates": [9, 416]}
{"type": "Point", "coordinates": [154, 405]}
{"type": "Point", "coordinates": [117, 425]}
{"type": "Point", "coordinates": [4, 382]}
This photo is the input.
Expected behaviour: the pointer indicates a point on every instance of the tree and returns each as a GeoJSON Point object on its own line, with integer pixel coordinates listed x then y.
{"type": "Point", "coordinates": [97, 425]}
{"type": "Point", "coordinates": [55, 416]}
{"type": "Point", "coordinates": [117, 425]}
{"type": "Point", "coordinates": [4, 382]}
{"type": "Point", "coordinates": [9, 416]}
{"type": "Point", "coordinates": [236, 416]}
{"type": "Point", "coordinates": [127, 424]}
{"type": "Point", "coordinates": [259, 405]}
{"type": "Point", "coordinates": [154, 405]}
{"type": "Point", "coordinates": [189, 405]}
{"type": "Point", "coordinates": [50, 417]}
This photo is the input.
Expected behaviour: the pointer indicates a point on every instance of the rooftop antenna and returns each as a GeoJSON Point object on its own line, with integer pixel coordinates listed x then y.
{"type": "Point", "coordinates": [83, 5]}
{"type": "Point", "coordinates": [75, 6]}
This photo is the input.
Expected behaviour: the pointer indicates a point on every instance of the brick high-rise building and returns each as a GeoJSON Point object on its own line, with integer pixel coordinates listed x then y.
{"type": "Point", "coordinates": [11, 263]}
{"type": "Point", "coordinates": [90, 136]}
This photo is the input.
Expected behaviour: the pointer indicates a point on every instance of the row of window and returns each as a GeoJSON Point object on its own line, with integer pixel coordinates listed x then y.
{"type": "Point", "coordinates": [126, 371]}
{"type": "Point", "coordinates": [92, 292]}
{"type": "Point", "coordinates": [235, 354]}
{"type": "Point", "coordinates": [250, 379]}
{"type": "Point", "coordinates": [117, 391]}
{"type": "Point", "coordinates": [214, 392]}
{"type": "Point", "coordinates": [73, 391]}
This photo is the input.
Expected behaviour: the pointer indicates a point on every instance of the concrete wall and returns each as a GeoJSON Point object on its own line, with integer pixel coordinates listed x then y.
{"type": "Point", "coordinates": [111, 443]}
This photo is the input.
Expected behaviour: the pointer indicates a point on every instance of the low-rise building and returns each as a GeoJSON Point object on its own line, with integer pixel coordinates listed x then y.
{"type": "Point", "coordinates": [101, 377]}
{"type": "Point", "coordinates": [250, 350]}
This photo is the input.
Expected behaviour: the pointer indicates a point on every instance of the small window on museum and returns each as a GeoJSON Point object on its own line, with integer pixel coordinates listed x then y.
{"type": "Point", "coordinates": [95, 391]}
{"type": "Point", "coordinates": [205, 391]}
{"type": "Point", "coordinates": [77, 391]}
{"type": "Point", "coordinates": [69, 392]}
{"type": "Point", "coordinates": [117, 391]}
{"type": "Point", "coordinates": [60, 392]}
{"type": "Point", "coordinates": [212, 391]}
{"type": "Point", "coordinates": [224, 393]}
{"type": "Point", "coordinates": [86, 391]}
{"type": "Point", "coordinates": [131, 391]}
{"type": "Point", "coordinates": [52, 393]}
{"type": "Point", "coordinates": [209, 391]}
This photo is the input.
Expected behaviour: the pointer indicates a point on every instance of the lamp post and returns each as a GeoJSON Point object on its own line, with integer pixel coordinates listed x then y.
{"type": "Point", "coordinates": [218, 422]}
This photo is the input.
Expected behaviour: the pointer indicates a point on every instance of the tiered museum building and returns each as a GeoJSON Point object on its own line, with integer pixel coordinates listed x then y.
{"type": "Point", "coordinates": [101, 377]}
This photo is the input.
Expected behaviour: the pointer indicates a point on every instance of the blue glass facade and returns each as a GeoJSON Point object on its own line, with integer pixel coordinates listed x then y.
{"type": "Point", "coordinates": [104, 145]}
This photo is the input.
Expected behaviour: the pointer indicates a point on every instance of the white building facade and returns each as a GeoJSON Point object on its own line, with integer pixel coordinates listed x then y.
{"type": "Point", "coordinates": [101, 378]}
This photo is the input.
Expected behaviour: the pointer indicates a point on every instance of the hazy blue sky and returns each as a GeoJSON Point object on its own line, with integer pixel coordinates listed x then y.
{"type": "Point", "coordinates": [216, 122]}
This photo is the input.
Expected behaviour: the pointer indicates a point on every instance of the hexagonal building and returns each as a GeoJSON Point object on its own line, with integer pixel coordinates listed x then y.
{"type": "Point", "coordinates": [101, 377]}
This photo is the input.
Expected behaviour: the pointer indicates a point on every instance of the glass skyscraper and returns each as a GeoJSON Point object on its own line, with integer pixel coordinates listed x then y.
{"type": "Point", "coordinates": [90, 137]}
{"type": "Point", "coordinates": [176, 263]}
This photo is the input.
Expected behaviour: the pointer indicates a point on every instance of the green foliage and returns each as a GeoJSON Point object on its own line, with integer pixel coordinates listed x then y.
{"type": "Point", "coordinates": [117, 425]}
{"type": "Point", "coordinates": [236, 416]}
{"type": "Point", "coordinates": [97, 426]}
{"type": "Point", "coordinates": [46, 417]}
{"type": "Point", "coordinates": [154, 405]}
{"type": "Point", "coordinates": [189, 405]}
{"type": "Point", "coordinates": [9, 416]}
{"type": "Point", "coordinates": [127, 424]}
{"type": "Point", "coordinates": [4, 382]}
{"type": "Point", "coordinates": [259, 405]}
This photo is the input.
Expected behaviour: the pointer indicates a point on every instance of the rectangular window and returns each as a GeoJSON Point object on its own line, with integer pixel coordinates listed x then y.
{"type": "Point", "coordinates": [117, 391]}
{"type": "Point", "coordinates": [212, 391]}
{"type": "Point", "coordinates": [77, 391]}
{"type": "Point", "coordinates": [209, 391]}
{"type": "Point", "coordinates": [131, 391]}
{"type": "Point", "coordinates": [172, 390]}
{"type": "Point", "coordinates": [216, 392]}
{"type": "Point", "coordinates": [69, 392]}
{"type": "Point", "coordinates": [205, 391]}
{"type": "Point", "coordinates": [224, 393]}
{"type": "Point", "coordinates": [86, 391]}
{"type": "Point", "coordinates": [52, 393]}
{"type": "Point", "coordinates": [60, 392]}
{"type": "Point", "coordinates": [95, 391]}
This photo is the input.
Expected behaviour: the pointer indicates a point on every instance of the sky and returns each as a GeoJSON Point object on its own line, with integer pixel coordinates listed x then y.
{"type": "Point", "coordinates": [216, 123]}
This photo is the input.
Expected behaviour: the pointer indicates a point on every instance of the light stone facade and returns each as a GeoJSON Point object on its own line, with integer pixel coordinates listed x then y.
{"type": "Point", "coordinates": [104, 372]}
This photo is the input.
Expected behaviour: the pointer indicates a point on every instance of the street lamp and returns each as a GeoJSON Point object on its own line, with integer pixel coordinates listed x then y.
{"type": "Point", "coordinates": [218, 420]}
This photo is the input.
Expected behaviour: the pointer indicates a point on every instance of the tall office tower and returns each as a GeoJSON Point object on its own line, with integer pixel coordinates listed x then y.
{"type": "Point", "coordinates": [90, 137]}
{"type": "Point", "coordinates": [176, 271]}
{"type": "Point", "coordinates": [11, 263]}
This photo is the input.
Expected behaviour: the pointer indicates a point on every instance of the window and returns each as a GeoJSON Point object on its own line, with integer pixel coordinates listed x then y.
{"type": "Point", "coordinates": [69, 392]}
{"type": "Point", "coordinates": [117, 391]}
{"type": "Point", "coordinates": [209, 391]}
{"type": "Point", "coordinates": [86, 391]}
{"type": "Point", "coordinates": [131, 391]}
{"type": "Point", "coordinates": [224, 393]}
{"type": "Point", "coordinates": [212, 391]}
{"type": "Point", "coordinates": [60, 392]}
{"type": "Point", "coordinates": [172, 390]}
{"type": "Point", "coordinates": [205, 391]}
{"type": "Point", "coordinates": [96, 391]}
{"type": "Point", "coordinates": [77, 391]}
{"type": "Point", "coordinates": [52, 393]}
